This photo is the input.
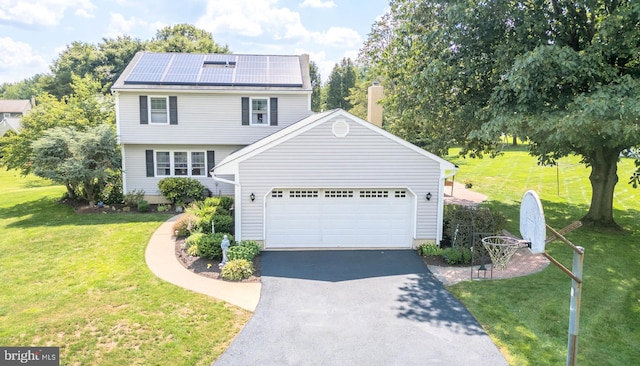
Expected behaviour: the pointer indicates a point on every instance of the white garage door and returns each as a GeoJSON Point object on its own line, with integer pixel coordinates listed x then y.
{"type": "Point", "coordinates": [333, 218]}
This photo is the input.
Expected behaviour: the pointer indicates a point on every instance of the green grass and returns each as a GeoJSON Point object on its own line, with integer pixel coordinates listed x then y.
{"type": "Point", "coordinates": [528, 317]}
{"type": "Point", "coordinates": [80, 282]}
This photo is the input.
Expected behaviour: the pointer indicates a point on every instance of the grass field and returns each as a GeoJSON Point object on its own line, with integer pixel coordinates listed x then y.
{"type": "Point", "coordinates": [528, 317]}
{"type": "Point", "coordinates": [80, 282]}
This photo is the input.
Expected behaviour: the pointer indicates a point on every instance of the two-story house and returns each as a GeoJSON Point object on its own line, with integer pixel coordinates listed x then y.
{"type": "Point", "coordinates": [11, 112]}
{"type": "Point", "coordinates": [243, 126]}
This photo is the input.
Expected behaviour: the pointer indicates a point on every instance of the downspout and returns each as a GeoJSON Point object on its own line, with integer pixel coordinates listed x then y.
{"type": "Point", "coordinates": [237, 192]}
{"type": "Point", "coordinates": [440, 219]}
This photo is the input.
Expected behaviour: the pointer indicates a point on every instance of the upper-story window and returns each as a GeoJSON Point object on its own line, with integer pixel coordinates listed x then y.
{"type": "Point", "coordinates": [259, 111]}
{"type": "Point", "coordinates": [158, 110]}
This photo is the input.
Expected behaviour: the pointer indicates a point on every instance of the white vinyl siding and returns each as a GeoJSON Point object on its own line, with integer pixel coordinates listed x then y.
{"type": "Point", "coordinates": [211, 118]}
{"type": "Point", "coordinates": [135, 171]}
{"type": "Point", "coordinates": [318, 159]}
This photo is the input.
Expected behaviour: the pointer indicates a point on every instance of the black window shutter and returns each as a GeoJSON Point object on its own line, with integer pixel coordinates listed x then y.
{"type": "Point", "coordinates": [245, 111]}
{"type": "Point", "coordinates": [173, 110]}
{"type": "Point", "coordinates": [274, 112]}
{"type": "Point", "coordinates": [150, 167]}
{"type": "Point", "coordinates": [210, 161]}
{"type": "Point", "coordinates": [144, 110]}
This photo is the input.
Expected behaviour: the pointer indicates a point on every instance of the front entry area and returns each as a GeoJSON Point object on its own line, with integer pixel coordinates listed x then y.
{"type": "Point", "coordinates": [339, 218]}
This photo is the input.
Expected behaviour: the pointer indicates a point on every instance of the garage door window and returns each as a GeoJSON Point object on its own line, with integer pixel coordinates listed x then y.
{"type": "Point", "coordinates": [303, 194]}
{"type": "Point", "coordinates": [338, 194]}
{"type": "Point", "coordinates": [401, 194]}
{"type": "Point", "coordinates": [374, 194]}
{"type": "Point", "coordinates": [276, 194]}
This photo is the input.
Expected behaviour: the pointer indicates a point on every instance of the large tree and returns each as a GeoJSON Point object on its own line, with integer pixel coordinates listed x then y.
{"type": "Point", "coordinates": [185, 38]}
{"type": "Point", "coordinates": [316, 87]}
{"type": "Point", "coordinates": [341, 79]}
{"type": "Point", "coordinates": [564, 74]}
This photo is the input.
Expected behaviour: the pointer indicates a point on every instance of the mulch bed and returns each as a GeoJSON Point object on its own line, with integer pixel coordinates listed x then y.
{"type": "Point", "coordinates": [209, 268]}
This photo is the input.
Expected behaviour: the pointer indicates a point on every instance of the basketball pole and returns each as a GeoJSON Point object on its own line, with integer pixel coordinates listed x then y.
{"type": "Point", "coordinates": [576, 293]}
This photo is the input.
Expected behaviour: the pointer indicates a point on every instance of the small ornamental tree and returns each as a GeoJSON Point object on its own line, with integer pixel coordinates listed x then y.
{"type": "Point", "coordinates": [82, 161]}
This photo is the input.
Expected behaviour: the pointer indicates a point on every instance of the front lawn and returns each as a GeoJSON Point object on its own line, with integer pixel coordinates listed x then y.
{"type": "Point", "coordinates": [80, 282]}
{"type": "Point", "coordinates": [528, 317]}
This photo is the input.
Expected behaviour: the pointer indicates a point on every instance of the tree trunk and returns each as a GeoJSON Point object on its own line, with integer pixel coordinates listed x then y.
{"type": "Point", "coordinates": [515, 141]}
{"type": "Point", "coordinates": [71, 193]}
{"type": "Point", "coordinates": [603, 177]}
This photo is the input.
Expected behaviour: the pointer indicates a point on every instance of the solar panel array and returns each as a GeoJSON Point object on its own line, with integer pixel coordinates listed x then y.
{"type": "Point", "coordinates": [216, 70]}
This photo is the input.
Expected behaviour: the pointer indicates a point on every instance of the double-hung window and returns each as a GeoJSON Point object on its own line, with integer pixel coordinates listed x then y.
{"type": "Point", "coordinates": [158, 109]}
{"type": "Point", "coordinates": [181, 163]}
{"type": "Point", "coordinates": [260, 111]}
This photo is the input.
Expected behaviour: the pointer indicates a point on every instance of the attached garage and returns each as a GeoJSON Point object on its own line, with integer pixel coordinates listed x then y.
{"type": "Point", "coordinates": [339, 218]}
{"type": "Point", "coordinates": [333, 180]}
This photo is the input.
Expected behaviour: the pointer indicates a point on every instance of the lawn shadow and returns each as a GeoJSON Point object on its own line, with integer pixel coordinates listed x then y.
{"type": "Point", "coordinates": [50, 212]}
{"type": "Point", "coordinates": [424, 299]}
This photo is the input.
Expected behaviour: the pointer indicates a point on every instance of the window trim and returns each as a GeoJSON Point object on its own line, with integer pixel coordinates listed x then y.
{"type": "Point", "coordinates": [267, 113]}
{"type": "Point", "coordinates": [172, 163]}
{"type": "Point", "coordinates": [166, 99]}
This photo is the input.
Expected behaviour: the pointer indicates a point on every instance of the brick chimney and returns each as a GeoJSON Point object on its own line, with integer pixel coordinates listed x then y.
{"type": "Point", "coordinates": [374, 108]}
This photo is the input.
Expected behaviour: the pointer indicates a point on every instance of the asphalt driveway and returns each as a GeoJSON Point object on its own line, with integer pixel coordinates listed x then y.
{"type": "Point", "coordinates": [357, 308]}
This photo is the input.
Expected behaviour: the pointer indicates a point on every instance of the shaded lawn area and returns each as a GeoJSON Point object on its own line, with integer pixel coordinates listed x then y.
{"type": "Point", "coordinates": [80, 282]}
{"type": "Point", "coordinates": [528, 317]}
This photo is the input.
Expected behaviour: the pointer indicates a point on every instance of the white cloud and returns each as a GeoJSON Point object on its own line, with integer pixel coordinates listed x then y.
{"type": "Point", "coordinates": [43, 12]}
{"type": "Point", "coordinates": [18, 62]}
{"type": "Point", "coordinates": [252, 18]}
{"type": "Point", "coordinates": [317, 4]}
{"type": "Point", "coordinates": [119, 25]}
{"type": "Point", "coordinates": [338, 37]}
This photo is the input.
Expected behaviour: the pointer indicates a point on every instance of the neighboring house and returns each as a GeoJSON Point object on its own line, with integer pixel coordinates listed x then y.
{"type": "Point", "coordinates": [300, 180]}
{"type": "Point", "coordinates": [11, 112]}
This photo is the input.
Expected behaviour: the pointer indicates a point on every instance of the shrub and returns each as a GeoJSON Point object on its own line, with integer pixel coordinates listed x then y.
{"type": "Point", "coordinates": [457, 255]}
{"type": "Point", "coordinates": [237, 270]}
{"type": "Point", "coordinates": [222, 223]}
{"type": "Point", "coordinates": [209, 245]}
{"type": "Point", "coordinates": [143, 206]}
{"type": "Point", "coordinates": [193, 250]}
{"type": "Point", "coordinates": [184, 226]}
{"type": "Point", "coordinates": [226, 202]}
{"type": "Point", "coordinates": [164, 208]}
{"type": "Point", "coordinates": [429, 250]}
{"type": "Point", "coordinates": [181, 190]}
{"type": "Point", "coordinates": [239, 252]}
{"type": "Point", "coordinates": [253, 246]}
{"type": "Point", "coordinates": [112, 191]}
{"type": "Point", "coordinates": [132, 198]}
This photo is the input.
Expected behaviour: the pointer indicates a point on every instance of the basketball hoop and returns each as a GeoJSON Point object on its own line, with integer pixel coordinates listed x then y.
{"type": "Point", "coordinates": [501, 249]}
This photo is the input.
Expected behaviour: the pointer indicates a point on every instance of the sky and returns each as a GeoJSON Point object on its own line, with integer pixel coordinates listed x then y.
{"type": "Point", "coordinates": [34, 32]}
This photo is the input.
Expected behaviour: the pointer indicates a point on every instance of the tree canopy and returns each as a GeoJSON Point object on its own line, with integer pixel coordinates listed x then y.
{"type": "Point", "coordinates": [563, 74]}
{"type": "Point", "coordinates": [185, 38]}
{"type": "Point", "coordinates": [341, 80]}
{"type": "Point", "coordinates": [86, 108]}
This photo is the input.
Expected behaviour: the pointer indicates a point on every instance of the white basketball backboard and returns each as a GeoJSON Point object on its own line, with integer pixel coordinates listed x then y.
{"type": "Point", "coordinates": [532, 225]}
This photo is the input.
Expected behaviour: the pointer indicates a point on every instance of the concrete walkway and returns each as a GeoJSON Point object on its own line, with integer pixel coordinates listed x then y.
{"type": "Point", "coordinates": [161, 259]}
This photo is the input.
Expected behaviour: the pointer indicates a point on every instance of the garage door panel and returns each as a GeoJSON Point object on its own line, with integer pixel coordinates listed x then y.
{"type": "Point", "coordinates": [331, 218]}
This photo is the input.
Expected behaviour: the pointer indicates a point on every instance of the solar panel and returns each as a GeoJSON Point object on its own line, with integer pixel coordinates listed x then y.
{"type": "Point", "coordinates": [216, 69]}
